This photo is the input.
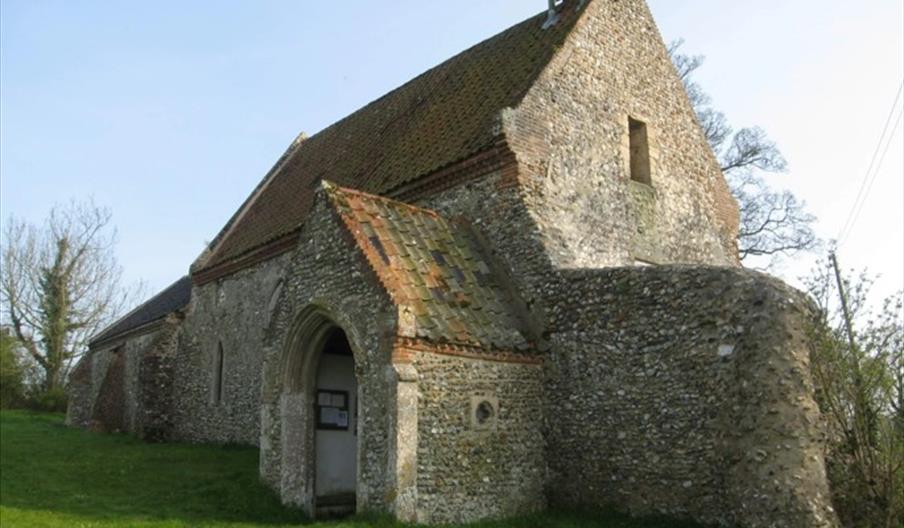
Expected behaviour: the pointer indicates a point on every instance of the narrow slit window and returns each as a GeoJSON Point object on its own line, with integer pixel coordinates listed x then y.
{"type": "Point", "coordinates": [640, 151]}
{"type": "Point", "coordinates": [218, 375]}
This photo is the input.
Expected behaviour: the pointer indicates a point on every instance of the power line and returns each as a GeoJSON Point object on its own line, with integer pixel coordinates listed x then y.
{"type": "Point", "coordinates": [873, 179]}
{"type": "Point", "coordinates": [870, 174]}
{"type": "Point", "coordinates": [845, 229]}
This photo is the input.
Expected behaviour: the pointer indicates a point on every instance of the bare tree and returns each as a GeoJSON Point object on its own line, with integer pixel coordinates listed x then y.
{"type": "Point", "coordinates": [772, 222]}
{"type": "Point", "coordinates": [59, 284]}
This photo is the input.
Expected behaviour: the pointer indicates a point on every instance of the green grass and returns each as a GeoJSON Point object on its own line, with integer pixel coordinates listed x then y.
{"type": "Point", "coordinates": [55, 476]}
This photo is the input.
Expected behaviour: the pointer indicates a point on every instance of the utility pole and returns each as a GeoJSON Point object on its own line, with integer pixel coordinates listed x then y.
{"type": "Point", "coordinates": [861, 406]}
{"type": "Point", "coordinates": [844, 304]}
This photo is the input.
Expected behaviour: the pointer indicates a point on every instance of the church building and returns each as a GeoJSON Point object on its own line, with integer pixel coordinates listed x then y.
{"type": "Point", "coordinates": [510, 284]}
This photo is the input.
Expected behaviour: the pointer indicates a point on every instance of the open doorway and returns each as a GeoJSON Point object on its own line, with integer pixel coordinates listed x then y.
{"type": "Point", "coordinates": [335, 427]}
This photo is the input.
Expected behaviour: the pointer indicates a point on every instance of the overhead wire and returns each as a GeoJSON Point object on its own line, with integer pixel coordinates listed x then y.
{"type": "Point", "coordinates": [876, 173]}
{"type": "Point", "coordinates": [856, 213]}
{"type": "Point", "coordinates": [872, 170]}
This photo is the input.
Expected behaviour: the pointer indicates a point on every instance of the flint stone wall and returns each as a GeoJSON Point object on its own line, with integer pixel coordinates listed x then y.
{"type": "Point", "coordinates": [111, 401]}
{"type": "Point", "coordinates": [126, 385]}
{"type": "Point", "coordinates": [100, 360]}
{"type": "Point", "coordinates": [231, 312]}
{"type": "Point", "coordinates": [570, 134]}
{"type": "Point", "coordinates": [110, 407]}
{"type": "Point", "coordinates": [687, 391]}
{"type": "Point", "coordinates": [466, 473]}
{"type": "Point", "coordinates": [154, 384]}
{"type": "Point", "coordinates": [81, 394]}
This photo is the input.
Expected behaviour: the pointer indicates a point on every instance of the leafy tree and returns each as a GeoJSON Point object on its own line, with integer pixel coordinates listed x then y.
{"type": "Point", "coordinates": [772, 222]}
{"type": "Point", "coordinates": [12, 372]}
{"type": "Point", "coordinates": [860, 390]}
{"type": "Point", "coordinates": [60, 284]}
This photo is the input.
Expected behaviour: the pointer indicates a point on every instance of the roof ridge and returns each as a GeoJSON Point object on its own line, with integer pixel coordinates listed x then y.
{"type": "Point", "coordinates": [236, 217]}
{"type": "Point", "coordinates": [562, 9]}
{"type": "Point", "coordinates": [427, 72]}
{"type": "Point", "coordinates": [331, 188]}
{"type": "Point", "coordinates": [442, 116]}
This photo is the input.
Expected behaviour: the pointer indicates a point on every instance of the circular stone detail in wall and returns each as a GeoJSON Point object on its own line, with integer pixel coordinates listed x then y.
{"type": "Point", "coordinates": [484, 410]}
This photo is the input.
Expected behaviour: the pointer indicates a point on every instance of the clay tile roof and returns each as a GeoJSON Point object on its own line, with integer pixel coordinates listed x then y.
{"type": "Point", "coordinates": [433, 269]}
{"type": "Point", "coordinates": [175, 297]}
{"type": "Point", "coordinates": [445, 115]}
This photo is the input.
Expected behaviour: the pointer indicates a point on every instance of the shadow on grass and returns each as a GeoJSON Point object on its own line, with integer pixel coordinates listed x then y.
{"type": "Point", "coordinates": [52, 475]}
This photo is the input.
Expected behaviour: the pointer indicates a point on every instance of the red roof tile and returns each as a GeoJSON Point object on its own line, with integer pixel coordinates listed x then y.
{"type": "Point", "coordinates": [433, 269]}
{"type": "Point", "coordinates": [442, 116]}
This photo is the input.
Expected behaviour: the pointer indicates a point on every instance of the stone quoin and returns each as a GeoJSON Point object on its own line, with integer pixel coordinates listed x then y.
{"type": "Point", "coordinates": [510, 284]}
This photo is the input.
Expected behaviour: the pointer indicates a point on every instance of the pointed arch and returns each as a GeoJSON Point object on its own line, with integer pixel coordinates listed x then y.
{"type": "Point", "coordinates": [273, 303]}
{"type": "Point", "coordinates": [308, 337]}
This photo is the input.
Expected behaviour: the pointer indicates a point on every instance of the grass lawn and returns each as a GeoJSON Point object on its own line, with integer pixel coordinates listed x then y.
{"type": "Point", "coordinates": [54, 476]}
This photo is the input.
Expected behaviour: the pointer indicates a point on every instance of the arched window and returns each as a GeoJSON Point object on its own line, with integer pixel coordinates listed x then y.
{"type": "Point", "coordinates": [218, 365]}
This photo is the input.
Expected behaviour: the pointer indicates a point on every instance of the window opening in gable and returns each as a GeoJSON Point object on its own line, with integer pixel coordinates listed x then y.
{"type": "Point", "coordinates": [639, 151]}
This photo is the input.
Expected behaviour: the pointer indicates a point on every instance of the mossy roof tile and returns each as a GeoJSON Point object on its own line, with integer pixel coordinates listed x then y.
{"type": "Point", "coordinates": [445, 115]}
{"type": "Point", "coordinates": [437, 272]}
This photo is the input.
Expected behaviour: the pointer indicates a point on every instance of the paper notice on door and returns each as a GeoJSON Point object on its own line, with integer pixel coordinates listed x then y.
{"type": "Point", "coordinates": [330, 415]}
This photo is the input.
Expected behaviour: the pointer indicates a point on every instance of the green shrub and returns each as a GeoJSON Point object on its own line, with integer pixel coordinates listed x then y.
{"type": "Point", "coordinates": [54, 400]}
{"type": "Point", "coordinates": [12, 374]}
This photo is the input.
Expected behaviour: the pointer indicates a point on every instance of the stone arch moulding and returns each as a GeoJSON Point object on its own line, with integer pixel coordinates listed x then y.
{"type": "Point", "coordinates": [298, 370]}
{"type": "Point", "coordinates": [275, 297]}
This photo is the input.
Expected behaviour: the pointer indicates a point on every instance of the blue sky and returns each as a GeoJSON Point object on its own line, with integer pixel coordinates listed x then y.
{"type": "Point", "coordinates": [171, 112]}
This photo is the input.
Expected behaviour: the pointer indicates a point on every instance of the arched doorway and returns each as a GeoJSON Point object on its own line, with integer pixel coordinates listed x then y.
{"type": "Point", "coordinates": [335, 426]}
{"type": "Point", "coordinates": [318, 362]}
{"type": "Point", "coordinates": [319, 417]}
